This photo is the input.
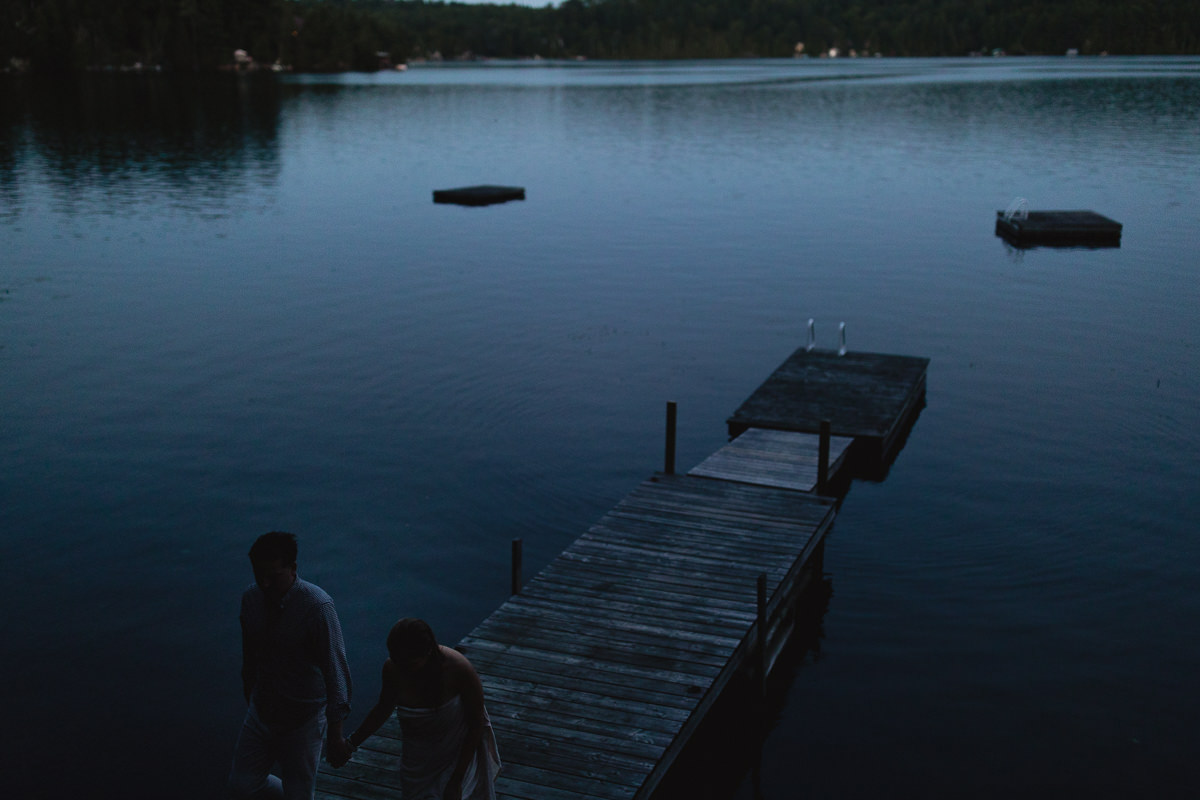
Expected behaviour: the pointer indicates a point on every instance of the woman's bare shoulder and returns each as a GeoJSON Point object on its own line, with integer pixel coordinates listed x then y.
{"type": "Point", "coordinates": [463, 677]}
{"type": "Point", "coordinates": [454, 659]}
{"type": "Point", "coordinates": [458, 666]}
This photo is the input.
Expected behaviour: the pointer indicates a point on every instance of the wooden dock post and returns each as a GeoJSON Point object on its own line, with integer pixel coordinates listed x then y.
{"type": "Point", "coordinates": [823, 457]}
{"type": "Point", "coordinates": [516, 566]}
{"type": "Point", "coordinates": [669, 459]}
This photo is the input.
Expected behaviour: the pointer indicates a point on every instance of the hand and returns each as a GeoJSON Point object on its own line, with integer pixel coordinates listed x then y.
{"type": "Point", "coordinates": [338, 751]}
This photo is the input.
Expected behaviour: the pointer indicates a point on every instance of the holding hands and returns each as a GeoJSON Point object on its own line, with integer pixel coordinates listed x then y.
{"type": "Point", "coordinates": [338, 751]}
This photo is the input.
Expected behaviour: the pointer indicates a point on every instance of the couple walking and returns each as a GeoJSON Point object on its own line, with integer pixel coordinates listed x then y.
{"type": "Point", "coordinates": [297, 687]}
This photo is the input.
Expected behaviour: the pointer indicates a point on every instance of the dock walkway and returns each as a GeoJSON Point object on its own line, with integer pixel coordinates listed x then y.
{"type": "Point", "coordinates": [774, 458]}
{"type": "Point", "coordinates": [599, 670]}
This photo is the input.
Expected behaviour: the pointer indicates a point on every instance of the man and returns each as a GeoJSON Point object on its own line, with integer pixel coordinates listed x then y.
{"type": "Point", "coordinates": [294, 675]}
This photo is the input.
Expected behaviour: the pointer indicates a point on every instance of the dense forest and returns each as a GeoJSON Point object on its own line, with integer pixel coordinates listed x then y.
{"type": "Point", "coordinates": [49, 36]}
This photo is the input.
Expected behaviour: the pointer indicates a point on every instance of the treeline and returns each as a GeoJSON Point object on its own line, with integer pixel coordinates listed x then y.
{"type": "Point", "coordinates": [314, 35]}
{"type": "Point", "coordinates": [56, 36]}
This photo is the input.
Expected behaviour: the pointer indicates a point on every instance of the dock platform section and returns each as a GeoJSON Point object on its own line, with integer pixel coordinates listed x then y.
{"type": "Point", "coordinates": [869, 397]}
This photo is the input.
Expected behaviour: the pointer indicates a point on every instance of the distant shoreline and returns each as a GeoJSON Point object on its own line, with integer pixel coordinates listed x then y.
{"type": "Point", "coordinates": [269, 70]}
{"type": "Point", "coordinates": [62, 37]}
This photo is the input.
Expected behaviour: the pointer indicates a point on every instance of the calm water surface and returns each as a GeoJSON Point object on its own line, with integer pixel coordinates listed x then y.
{"type": "Point", "coordinates": [231, 306]}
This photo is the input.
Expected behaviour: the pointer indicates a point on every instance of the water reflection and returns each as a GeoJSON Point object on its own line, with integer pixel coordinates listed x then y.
{"type": "Point", "coordinates": [109, 143]}
{"type": "Point", "coordinates": [10, 196]}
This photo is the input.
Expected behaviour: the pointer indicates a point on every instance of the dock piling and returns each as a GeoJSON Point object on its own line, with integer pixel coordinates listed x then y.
{"type": "Point", "coordinates": [516, 566]}
{"type": "Point", "coordinates": [823, 457]}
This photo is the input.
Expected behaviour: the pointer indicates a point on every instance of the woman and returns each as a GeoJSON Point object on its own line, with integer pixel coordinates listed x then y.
{"type": "Point", "coordinates": [449, 750]}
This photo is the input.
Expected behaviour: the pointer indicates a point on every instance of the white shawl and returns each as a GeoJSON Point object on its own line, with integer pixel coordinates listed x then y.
{"type": "Point", "coordinates": [432, 743]}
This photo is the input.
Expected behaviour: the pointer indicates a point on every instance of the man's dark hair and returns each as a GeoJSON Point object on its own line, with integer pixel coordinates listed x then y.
{"type": "Point", "coordinates": [274, 546]}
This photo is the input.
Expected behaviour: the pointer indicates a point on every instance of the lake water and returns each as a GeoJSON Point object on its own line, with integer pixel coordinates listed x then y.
{"type": "Point", "coordinates": [231, 306]}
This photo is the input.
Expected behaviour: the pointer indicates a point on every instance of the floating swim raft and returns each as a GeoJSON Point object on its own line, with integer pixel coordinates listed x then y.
{"type": "Point", "coordinates": [479, 195]}
{"type": "Point", "coordinates": [1064, 228]}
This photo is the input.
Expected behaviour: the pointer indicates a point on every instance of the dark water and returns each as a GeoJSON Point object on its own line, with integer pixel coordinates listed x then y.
{"type": "Point", "coordinates": [228, 307]}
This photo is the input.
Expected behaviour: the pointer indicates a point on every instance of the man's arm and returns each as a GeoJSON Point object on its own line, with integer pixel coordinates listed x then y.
{"type": "Point", "coordinates": [331, 652]}
{"type": "Point", "coordinates": [337, 749]}
{"type": "Point", "coordinates": [249, 656]}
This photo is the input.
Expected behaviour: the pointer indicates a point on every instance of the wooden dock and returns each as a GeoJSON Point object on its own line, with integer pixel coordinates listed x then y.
{"type": "Point", "coordinates": [599, 669]}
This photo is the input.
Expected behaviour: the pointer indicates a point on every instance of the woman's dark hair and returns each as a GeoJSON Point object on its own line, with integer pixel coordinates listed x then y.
{"type": "Point", "coordinates": [412, 637]}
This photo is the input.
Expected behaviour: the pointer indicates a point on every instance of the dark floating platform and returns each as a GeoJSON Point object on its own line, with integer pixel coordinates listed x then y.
{"type": "Point", "coordinates": [479, 195]}
{"type": "Point", "coordinates": [1061, 228]}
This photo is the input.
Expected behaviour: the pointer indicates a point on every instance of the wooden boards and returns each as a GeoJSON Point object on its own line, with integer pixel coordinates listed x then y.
{"type": "Point", "coordinates": [597, 673]}
{"type": "Point", "coordinates": [1079, 228]}
{"type": "Point", "coordinates": [773, 458]}
{"type": "Point", "coordinates": [867, 396]}
{"type": "Point", "coordinates": [617, 649]}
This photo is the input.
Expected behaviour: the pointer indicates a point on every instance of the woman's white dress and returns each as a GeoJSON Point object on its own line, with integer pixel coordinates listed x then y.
{"type": "Point", "coordinates": [433, 740]}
